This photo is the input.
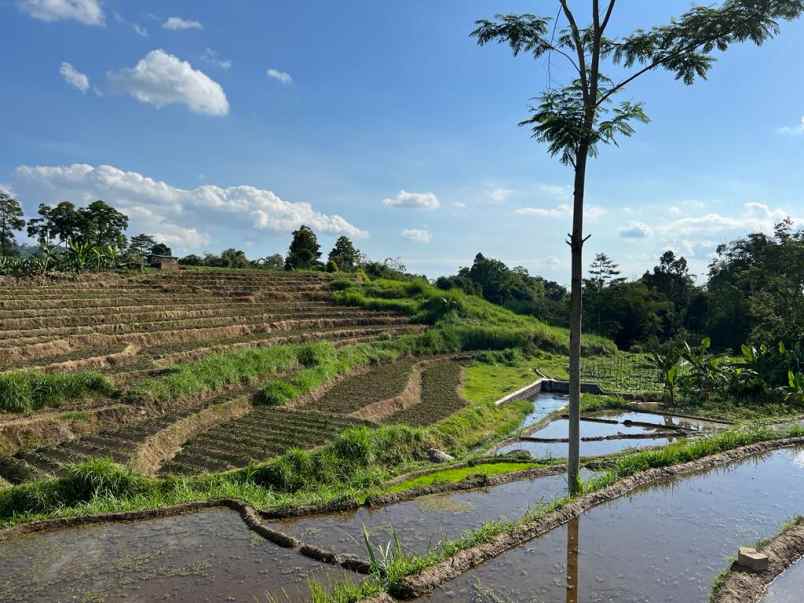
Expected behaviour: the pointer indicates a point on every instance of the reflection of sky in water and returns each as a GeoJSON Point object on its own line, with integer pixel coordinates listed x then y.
{"type": "Point", "coordinates": [661, 544]}
{"type": "Point", "coordinates": [799, 458]}
{"type": "Point", "coordinates": [543, 405]}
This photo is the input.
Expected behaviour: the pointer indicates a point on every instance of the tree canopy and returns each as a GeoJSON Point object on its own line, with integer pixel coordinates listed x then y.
{"type": "Point", "coordinates": [11, 221]}
{"type": "Point", "coordinates": [304, 250]}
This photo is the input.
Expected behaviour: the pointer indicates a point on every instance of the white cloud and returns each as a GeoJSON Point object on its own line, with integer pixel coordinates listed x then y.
{"type": "Point", "coordinates": [140, 30]}
{"type": "Point", "coordinates": [755, 217]}
{"type": "Point", "coordinates": [75, 78]}
{"type": "Point", "coordinates": [459, 204]}
{"type": "Point", "coordinates": [793, 130]}
{"type": "Point", "coordinates": [636, 230]}
{"type": "Point", "coordinates": [564, 210]}
{"type": "Point", "coordinates": [161, 79]}
{"type": "Point", "coordinates": [188, 218]}
{"type": "Point", "coordinates": [281, 76]}
{"type": "Point", "coordinates": [88, 12]}
{"type": "Point", "coordinates": [499, 195]}
{"type": "Point", "coordinates": [211, 57]}
{"type": "Point", "coordinates": [417, 235]}
{"type": "Point", "coordinates": [408, 200]}
{"type": "Point", "coordinates": [179, 24]}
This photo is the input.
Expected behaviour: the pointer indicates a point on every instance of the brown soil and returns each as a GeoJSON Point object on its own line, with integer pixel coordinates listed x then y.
{"type": "Point", "coordinates": [430, 578]}
{"type": "Point", "coordinates": [55, 427]}
{"type": "Point", "coordinates": [163, 446]}
{"type": "Point", "coordinates": [412, 394]}
{"type": "Point", "coordinates": [744, 586]}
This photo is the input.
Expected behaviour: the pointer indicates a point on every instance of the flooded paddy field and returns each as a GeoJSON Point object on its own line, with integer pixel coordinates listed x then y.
{"type": "Point", "coordinates": [204, 556]}
{"type": "Point", "coordinates": [661, 544]}
{"type": "Point", "coordinates": [788, 587]}
{"type": "Point", "coordinates": [657, 429]}
{"type": "Point", "coordinates": [422, 523]}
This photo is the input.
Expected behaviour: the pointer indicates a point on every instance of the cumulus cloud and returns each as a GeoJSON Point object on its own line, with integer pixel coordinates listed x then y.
{"type": "Point", "coordinates": [408, 200]}
{"type": "Point", "coordinates": [179, 24]}
{"type": "Point", "coordinates": [160, 79]}
{"type": "Point", "coordinates": [793, 130]}
{"type": "Point", "coordinates": [499, 195]}
{"type": "Point", "coordinates": [188, 218]}
{"type": "Point", "coordinates": [88, 12]}
{"type": "Point", "coordinates": [636, 230]}
{"type": "Point", "coordinates": [211, 57]}
{"type": "Point", "coordinates": [417, 235]}
{"type": "Point", "coordinates": [75, 78]}
{"type": "Point", "coordinates": [755, 217]}
{"type": "Point", "coordinates": [564, 210]}
{"type": "Point", "coordinates": [281, 76]}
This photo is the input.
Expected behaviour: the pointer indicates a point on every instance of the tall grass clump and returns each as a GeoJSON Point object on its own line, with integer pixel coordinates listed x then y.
{"type": "Point", "coordinates": [321, 363]}
{"type": "Point", "coordinates": [26, 391]}
{"type": "Point", "coordinates": [83, 483]}
{"type": "Point", "coordinates": [217, 372]}
{"type": "Point", "coordinates": [357, 457]}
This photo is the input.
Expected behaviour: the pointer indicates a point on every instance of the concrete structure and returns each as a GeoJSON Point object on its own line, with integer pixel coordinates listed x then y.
{"type": "Point", "coordinates": [751, 559]}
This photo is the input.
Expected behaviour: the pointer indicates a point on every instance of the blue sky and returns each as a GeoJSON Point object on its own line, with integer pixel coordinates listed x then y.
{"type": "Point", "coordinates": [225, 124]}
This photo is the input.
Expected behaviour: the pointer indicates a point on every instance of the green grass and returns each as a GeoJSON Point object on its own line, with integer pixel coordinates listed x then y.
{"type": "Point", "coordinates": [26, 391]}
{"type": "Point", "coordinates": [453, 476]}
{"type": "Point", "coordinates": [474, 322]}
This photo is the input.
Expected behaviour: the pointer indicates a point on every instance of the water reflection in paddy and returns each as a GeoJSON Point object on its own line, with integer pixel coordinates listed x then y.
{"type": "Point", "coordinates": [788, 587]}
{"type": "Point", "coordinates": [661, 544]}
{"type": "Point", "coordinates": [559, 449]}
{"type": "Point", "coordinates": [205, 556]}
{"type": "Point", "coordinates": [421, 523]}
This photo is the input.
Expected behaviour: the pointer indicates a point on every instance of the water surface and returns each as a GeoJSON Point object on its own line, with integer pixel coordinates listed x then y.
{"type": "Point", "coordinates": [205, 556]}
{"type": "Point", "coordinates": [787, 587]}
{"type": "Point", "coordinates": [422, 523]}
{"type": "Point", "coordinates": [661, 544]}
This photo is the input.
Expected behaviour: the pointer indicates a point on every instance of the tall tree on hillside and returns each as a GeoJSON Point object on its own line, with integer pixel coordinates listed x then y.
{"type": "Point", "coordinates": [304, 249]}
{"type": "Point", "coordinates": [10, 222]}
{"type": "Point", "coordinates": [603, 272]}
{"type": "Point", "coordinates": [575, 119]}
{"type": "Point", "coordinates": [344, 255]}
{"type": "Point", "coordinates": [60, 223]}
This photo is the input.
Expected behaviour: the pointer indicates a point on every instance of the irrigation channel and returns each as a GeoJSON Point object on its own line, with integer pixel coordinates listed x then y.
{"type": "Point", "coordinates": [661, 543]}
{"type": "Point", "coordinates": [788, 587]}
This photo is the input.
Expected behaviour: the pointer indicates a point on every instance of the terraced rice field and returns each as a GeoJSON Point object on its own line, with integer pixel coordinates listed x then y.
{"type": "Point", "coordinates": [381, 383]}
{"type": "Point", "coordinates": [439, 398]}
{"type": "Point", "coordinates": [261, 434]}
{"type": "Point", "coordinates": [135, 327]}
{"type": "Point", "coordinates": [139, 322]}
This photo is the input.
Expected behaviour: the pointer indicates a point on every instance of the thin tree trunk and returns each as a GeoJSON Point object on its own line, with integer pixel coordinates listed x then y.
{"type": "Point", "coordinates": [576, 314]}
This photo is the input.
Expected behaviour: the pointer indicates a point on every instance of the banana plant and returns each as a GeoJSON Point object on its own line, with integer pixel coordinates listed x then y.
{"type": "Point", "coordinates": [79, 254]}
{"type": "Point", "coordinates": [669, 367]}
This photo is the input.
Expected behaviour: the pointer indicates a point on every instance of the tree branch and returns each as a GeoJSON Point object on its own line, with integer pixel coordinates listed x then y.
{"type": "Point", "coordinates": [609, 10]}
{"type": "Point", "coordinates": [576, 35]}
{"type": "Point", "coordinates": [658, 63]}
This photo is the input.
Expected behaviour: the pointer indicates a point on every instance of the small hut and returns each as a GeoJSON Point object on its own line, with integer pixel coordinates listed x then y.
{"type": "Point", "coordinates": [164, 262]}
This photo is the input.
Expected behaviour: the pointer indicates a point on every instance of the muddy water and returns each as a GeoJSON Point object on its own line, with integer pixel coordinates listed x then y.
{"type": "Point", "coordinates": [788, 587]}
{"type": "Point", "coordinates": [205, 556]}
{"type": "Point", "coordinates": [422, 523]}
{"type": "Point", "coordinates": [662, 544]}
